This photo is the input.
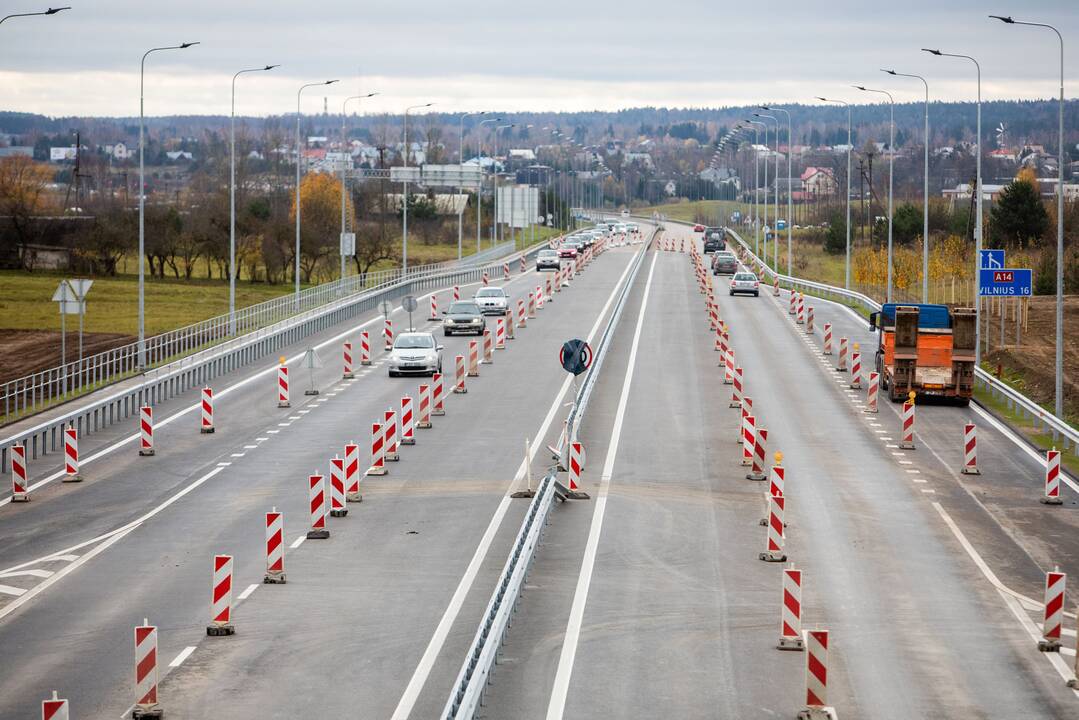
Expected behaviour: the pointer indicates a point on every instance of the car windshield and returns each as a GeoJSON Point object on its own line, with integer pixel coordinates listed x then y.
{"type": "Point", "coordinates": [491, 292]}
{"type": "Point", "coordinates": [547, 253]}
{"type": "Point", "coordinates": [745, 276]}
{"type": "Point", "coordinates": [465, 308]}
{"type": "Point", "coordinates": [410, 342]}
{"type": "Point", "coordinates": [725, 256]}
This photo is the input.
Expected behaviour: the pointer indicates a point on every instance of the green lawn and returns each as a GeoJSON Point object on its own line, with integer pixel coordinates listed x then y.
{"type": "Point", "coordinates": [711, 212]}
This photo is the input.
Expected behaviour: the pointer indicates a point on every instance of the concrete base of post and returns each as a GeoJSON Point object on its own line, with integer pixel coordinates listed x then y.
{"type": "Point", "coordinates": [1046, 500]}
{"type": "Point", "coordinates": [339, 513]}
{"type": "Point", "coordinates": [791, 643]}
{"type": "Point", "coordinates": [318, 534]}
{"type": "Point", "coordinates": [903, 445]}
{"type": "Point", "coordinates": [365, 362]}
{"type": "Point", "coordinates": [147, 713]}
{"type": "Point", "coordinates": [769, 556]}
{"type": "Point", "coordinates": [220, 630]}
{"type": "Point", "coordinates": [408, 441]}
{"type": "Point", "coordinates": [735, 404]}
{"type": "Point", "coordinates": [207, 430]}
{"type": "Point", "coordinates": [274, 578]}
{"type": "Point", "coordinates": [755, 476]}
{"type": "Point", "coordinates": [424, 425]}
{"type": "Point", "coordinates": [459, 390]}
{"type": "Point", "coordinates": [376, 471]}
{"type": "Point", "coordinates": [286, 403]}
{"type": "Point", "coordinates": [821, 713]}
{"type": "Point", "coordinates": [1046, 645]}
{"type": "Point", "coordinates": [348, 375]}
{"type": "Point", "coordinates": [970, 471]}
{"type": "Point", "coordinates": [20, 497]}
{"type": "Point", "coordinates": [523, 494]}
{"type": "Point", "coordinates": [438, 412]}
{"type": "Point", "coordinates": [310, 391]}
{"type": "Point", "coordinates": [354, 497]}
{"type": "Point", "coordinates": [392, 457]}
{"type": "Point", "coordinates": [72, 478]}
{"type": "Point", "coordinates": [146, 452]}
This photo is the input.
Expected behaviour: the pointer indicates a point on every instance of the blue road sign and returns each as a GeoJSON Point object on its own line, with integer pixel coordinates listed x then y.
{"type": "Point", "coordinates": [1005, 282]}
{"type": "Point", "coordinates": [991, 260]}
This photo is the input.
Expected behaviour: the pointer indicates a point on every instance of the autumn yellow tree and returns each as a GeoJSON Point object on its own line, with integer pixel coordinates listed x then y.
{"type": "Point", "coordinates": [24, 195]}
{"type": "Point", "coordinates": [320, 220]}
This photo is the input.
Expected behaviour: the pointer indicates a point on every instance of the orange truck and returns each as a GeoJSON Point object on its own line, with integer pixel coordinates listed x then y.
{"type": "Point", "coordinates": [927, 349]}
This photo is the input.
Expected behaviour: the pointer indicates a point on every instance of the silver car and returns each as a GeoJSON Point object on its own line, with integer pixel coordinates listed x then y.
{"type": "Point", "coordinates": [415, 352]}
{"type": "Point", "coordinates": [745, 282]}
{"type": "Point", "coordinates": [547, 259]}
{"type": "Point", "coordinates": [492, 300]}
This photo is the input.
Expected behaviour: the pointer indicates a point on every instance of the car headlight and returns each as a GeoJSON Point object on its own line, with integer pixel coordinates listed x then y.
{"type": "Point", "coordinates": [449, 321]}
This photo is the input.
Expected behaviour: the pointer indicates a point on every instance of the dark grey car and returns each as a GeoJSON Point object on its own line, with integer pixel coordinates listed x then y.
{"type": "Point", "coordinates": [724, 263]}
{"type": "Point", "coordinates": [463, 316]}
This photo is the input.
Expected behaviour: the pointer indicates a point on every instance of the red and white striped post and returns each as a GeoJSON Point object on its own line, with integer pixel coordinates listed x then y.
{"type": "Point", "coordinates": [473, 358]}
{"type": "Point", "coordinates": [736, 391]}
{"type": "Point", "coordinates": [778, 477]}
{"type": "Point", "coordinates": [206, 424]}
{"type": "Point", "coordinates": [352, 473]}
{"type": "Point", "coordinates": [521, 322]}
{"type": "Point", "coordinates": [434, 307]}
{"type": "Point", "coordinates": [337, 487]}
{"type": "Point", "coordinates": [500, 333]}
{"type": "Point", "coordinates": [760, 443]}
{"type": "Point", "coordinates": [221, 598]}
{"type": "Point", "coordinates": [436, 395]}
{"type": "Point", "coordinates": [719, 343]}
{"type": "Point", "coordinates": [71, 455]}
{"type": "Point", "coordinates": [773, 551]}
{"type": "Point", "coordinates": [749, 435]}
{"type": "Point", "coordinates": [524, 267]}
{"type": "Point", "coordinates": [817, 707]}
{"type": "Point", "coordinates": [146, 430]}
{"type": "Point", "coordinates": [1052, 478]}
{"type": "Point", "coordinates": [486, 280]}
{"type": "Point", "coordinates": [365, 348]}
{"type": "Point", "coordinates": [408, 434]}
{"type": "Point", "coordinates": [970, 450]}
{"type": "Point", "coordinates": [346, 360]}
{"type": "Point", "coordinates": [20, 488]}
{"type": "Point", "coordinates": [728, 373]}
{"type": "Point", "coordinates": [576, 466]}
{"type": "Point", "coordinates": [459, 379]}
{"type": "Point", "coordinates": [790, 623]}
{"type": "Point", "coordinates": [793, 298]}
{"type": "Point", "coordinates": [827, 339]}
{"type": "Point", "coordinates": [505, 271]}
{"type": "Point", "coordinates": [856, 368]}
{"type": "Point", "coordinates": [747, 409]}
{"type": "Point", "coordinates": [842, 364]}
{"type": "Point", "coordinates": [389, 430]}
{"type": "Point", "coordinates": [1053, 618]}
{"type": "Point", "coordinates": [531, 304]}
{"type": "Point", "coordinates": [378, 451]}
{"type": "Point", "coordinates": [55, 708]}
{"type": "Point", "coordinates": [387, 334]}
{"type": "Point", "coordinates": [456, 293]}
{"type": "Point", "coordinates": [488, 347]}
{"type": "Point", "coordinates": [423, 419]}
{"type": "Point", "coordinates": [550, 296]}
{"type": "Point", "coordinates": [146, 705]}
{"type": "Point", "coordinates": [282, 387]}
{"type": "Point", "coordinates": [801, 309]}
{"type": "Point", "coordinates": [775, 286]}
{"type": "Point", "coordinates": [275, 548]}
{"type": "Point", "coordinates": [809, 320]}
{"type": "Point", "coordinates": [316, 502]}
{"type": "Point", "coordinates": [872, 392]}
{"type": "Point", "coordinates": [907, 442]}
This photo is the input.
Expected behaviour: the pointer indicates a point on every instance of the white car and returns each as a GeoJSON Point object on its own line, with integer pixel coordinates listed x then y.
{"type": "Point", "coordinates": [415, 352]}
{"type": "Point", "coordinates": [745, 282]}
{"type": "Point", "coordinates": [492, 300]}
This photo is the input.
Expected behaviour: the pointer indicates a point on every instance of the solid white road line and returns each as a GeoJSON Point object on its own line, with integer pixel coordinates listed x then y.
{"type": "Point", "coordinates": [183, 655]}
{"type": "Point", "coordinates": [559, 692]}
{"type": "Point", "coordinates": [9, 590]}
{"type": "Point", "coordinates": [247, 592]}
{"type": "Point", "coordinates": [298, 542]}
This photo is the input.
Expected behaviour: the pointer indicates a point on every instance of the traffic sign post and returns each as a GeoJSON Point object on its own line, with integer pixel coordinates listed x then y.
{"type": "Point", "coordinates": [409, 304]}
{"type": "Point", "coordinates": [996, 280]}
{"type": "Point", "coordinates": [575, 356]}
{"type": "Point", "coordinates": [312, 362]}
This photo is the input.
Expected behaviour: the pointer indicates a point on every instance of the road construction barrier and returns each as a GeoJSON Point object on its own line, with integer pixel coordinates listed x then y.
{"type": "Point", "coordinates": [539, 297]}
{"type": "Point", "coordinates": [520, 313]}
{"type": "Point", "coordinates": [387, 334]}
{"type": "Point", "coordinates": [389, 431]}
{"type": "Point", "coordinates": [20, 488]}
{"type": "Point", "coordinates": [486, 281]}
{"type": "Point", "coordinates": [473, 358]}
{"type": "Point", "coordinates": [842, 364]}
{"type": "Point", "coordinates": [71, 455]}
{"type": "Point", "coordinates": [809, 320]}
{"type": "Point", "coordinates": [970, 450]}
{"type": "Point", "coordinates": [316, 499]}
{"type": "Point", "coordinates": [722, 340]}
{"type": "Point", "coordinates": [352, 473]}
{"type": "Point", "coordinates": [423, 416]}
{"type": "Point", "coordinates": [719, 343]}
{"type": "Point", "coordinates": [206, 422]}
{"type": "Point", "coordinates": [434, 308]}
{"type": "Point", "coordinates": [378, 451]}
{"type": "Point", "coordinates": [531, 304]}
{"type": "Point", "coordinates": [524, 267]}
{"type": "Point", "coordinates": [550, 297]}
{"type": "Point", "coordinates": [346, 361]}
{"type": "Point", "coordinates": [275, 548]}
{"type": "Point", "coordinates": [488, 347]}
{"type": "Point", "coordinates": [801, 309]}
{"type": "Point", "coordinates": [775, 286]}
{"type": "Point", "coordinates": [146, 430]}
{"type": "Point", "coordinates": [872, 392]}
{"type": "Point", "coordinates": [1053, 617]}
{"type": "Point", "coordinates": [500, 333]}
{"type": "Point", "coordinates": [749, 434]}
{"type": "Point", "coordinates": [856, 368]}
{"type": "Point", "coordinates": [365, 348]}
{"type": "Point", "coordinates": [817, 707]}
{"type": "Point", "coordinates": [1052, 478]}
{"type": "Point", "coordinates": [713, 314]}
{"type": "Point", "coordinates": [146, 704]}
{"type": "Point", "coordinates": [736, 390]}
{"type": "Point", "coordinates": [728, 372]}
{"type": "Point", "coordinates": [773, 551]}
{"type": "Point", "coordinates": [778, 476]}
{"type": "Point", "coordinates": [337, 487]}
{"type": "Point", "coordinates": [907, 441]}
{"type": "Point", "coordinates": [760, 443]}
{"type": "Point", "coordinates": [55, 708]}
{"type": "Point", "coordinates": [747, 409]}
{"type": "Point", "coordinates": [827, 339]}
{"type": "Point", "coordinates": [221, 598]}
{"type": "Point", "coordinates": [790, 622]}
{"type": "Point", "coordinates": [506, 270]}
{"type": "Point", "coordinates": [793, 302]}
{"type": "Point", "coordinates": [282, 387]}
{"type": "Point", "coordinates": [437, 397]}
{"type": "Point", "coordinates": [456, 293]}
{"type": "Point", "coordinates": [558, 280]}
{"type": "Point", "coordinates": [408, 435]}
{"type": "Point", "coordinates": [459, 381]}
{"type": "Point", "coordinates": [576, 466]}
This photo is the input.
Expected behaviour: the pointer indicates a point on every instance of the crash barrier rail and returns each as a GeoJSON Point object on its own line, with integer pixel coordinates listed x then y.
{"type": "Point", "coordinates": [197, 369]}
{"type": "Point", "coordinates": [468, 690]}
{"type": "Point", "coordinates": [1042, 419]}
{"type": "Point", "coordinates": [24, 396]}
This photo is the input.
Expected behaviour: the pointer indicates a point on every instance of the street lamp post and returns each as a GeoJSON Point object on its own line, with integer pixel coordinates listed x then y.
{"type": "Point", "coordinates": [775, 198]}
{"type": "Point", "coordinates": [495, 225]}
{"type": "Point", "coordinates": [48, 11]}
{"type": "Point", "coordinates": [299, 165]}
{"type": "Point", "coordinates": [790, 208]}
{"type": "Point", "coordinates": [461, 162]}
{"type": "Point", "coordinates": [479, 189]}
{"type": "Point", "coordinates": [344, 173]}
{"type": "Point", "coordinates": [142, 193]}
{"type": "Point", "coordinates": [891, 173]}
{"type": "Point", "coordinates": [756, 190]}
{"type": "Point", "coordinates": [232, 198]}
{"type": "Point", "coordinates": [404, 205]}
{"type": "Point", "coordinates": [925, 189]}
{"type": "Point", "coordinates": [849, 148]}
{"type": "Point", "coordinates": [978, 202]}
{"type": "Point", "coordinates": [1058, 389]}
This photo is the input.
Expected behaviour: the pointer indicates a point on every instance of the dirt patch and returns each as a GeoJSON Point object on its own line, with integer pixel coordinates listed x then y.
{"type": "Point", "coordinates": [23, 352]}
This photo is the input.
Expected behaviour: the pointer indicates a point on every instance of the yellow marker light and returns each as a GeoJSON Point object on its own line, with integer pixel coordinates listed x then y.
{"type": "Point", "coordinates": [779, 457]}
{"type": "Point", "coordinates": [857, 346]}
{"type": "Point", "coordinates": [911, 395]}
{"type": "Point", "coordinates": [281, 360]}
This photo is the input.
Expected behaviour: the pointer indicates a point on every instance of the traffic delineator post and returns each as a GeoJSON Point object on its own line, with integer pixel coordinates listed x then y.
{"type": "Point", "coordinates": [221, 598]}
{"type": "Point", "coordinates": [55, 708]}
{"type": "Point", "coordinates": [728, 371]}
{"type": "Point", "coordinates": [71, 455]}
{"type": "Point", "coordinates": [488, 347]}
{"type": "Point", "coordinates": [500, 333]}
{"type": "Point", "coordinates": [531, 304]}
{"type": "Point", "coordinates": [378, 451]}
{"type": "Point", "coordinates": [774, 543]}
{"type": "Point", "coordinates": [456, 293]}
{"type": "Point", "coordinates": [749, 434]}
{"type": "Point", "coordinates": [275, 548]}
{"type": "Point", "coordinates": [346, 361]}
{"type": "Point", "coordinates": [827, 339]}
{"type": "Point", "coordinates": [747, 409]}
{"type": "Point", "coordinates": [352, 473]}
{"type": "Point", "coordinates": [719, 343]}
{"type": "Point", "coordinates": [856, 368]}
{"type": "Point", "coordinates": [793, 302]}
{"type": "Point", "coordinates": [524, 266]}
{"type": "Point", "coordinates": [389, 432]}
{"type": "Point", "coordinates": [423, 414]}
{"type": "Point", "coordinates": [437, 407]}
{"type": "Point", "coordinates": [778, 477]}
{"type": "Point", "coordinates": [809, 320]}
{"type": "Point", "coordinates": [790, 623]}
{"type": "Point", "coordinates": [539, 297]}
{"type": "Point", "coordinates": [1052, 478]}
{"type": "Point", "coordinates": [816, 674]}
{"type": "Point", "coordinates": [408, 436]}
{"type": "Point", "coordinates": [521, 318]}
{"type": "Point", "coordinates": [573, 472]}
{"type": "Point", "coordinates": [509, 323]}
{"type": "Point", "coordinates": [316, 500]}
{"type": "Point", "coordinates": [907, 420]}
{"type": "Point", "coordinates": [387, 335]}
{"type": "Point", "coordinates": [970, 450]}
{"type": "Point", "coordinates": [506, 271]}
{"type": "Point", "coordinates": [146, 430]}
{"type": "Point", "coordinates": [721, 339]}
{"type": "Point", "coordinates": [473, 358]}
{"type": "Point", "coordinates": [1053, 616]}
{"type": "Point", "coordinates": [365, 348]}
{"type": "Point", "coordinates": [486, 280]}
{"type": "Point", "coordinates": [760, 447]}
{"type": "Point", "coordinates": [206, 422]}
{"type": "Point", "coordinates": [872, 392]}
{"type": "Point", "coordinates": [775, 286]}
{"type": "Point", "coordinates": [548, 293]}
{"type": "Point", "coordinates": [20, 487]}
{"type": "Point", "coordinates": [146, 703]}
{"type": "Point", "coordinates": [842, 364]}
{"type": "Point", "coordinates": [736, 390]}
{"type": "Point", "coordinates": [337, 487]}
{"type": "Point", "coordinates": [282, 386]}
{"type": "Point", "coordinates": [434, 308]}
{"type": "Point", "coordinates": [459, 379]}
{"type": "Point", "coordinates": [801, 309]}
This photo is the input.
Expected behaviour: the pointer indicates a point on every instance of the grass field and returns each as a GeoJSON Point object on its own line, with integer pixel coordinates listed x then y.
{"type": "Point", "coordinates": [710, 212]}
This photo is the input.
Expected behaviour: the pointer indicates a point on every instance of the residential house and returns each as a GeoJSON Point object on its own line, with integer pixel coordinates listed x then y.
{"type": "Point", "coordinates": [818, 182]}
{"type": "Point", "coordinates": [179, 155]}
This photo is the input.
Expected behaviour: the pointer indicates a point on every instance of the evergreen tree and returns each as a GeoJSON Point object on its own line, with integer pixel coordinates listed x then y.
{"type": "Point", "coordinates": [1018, 217]}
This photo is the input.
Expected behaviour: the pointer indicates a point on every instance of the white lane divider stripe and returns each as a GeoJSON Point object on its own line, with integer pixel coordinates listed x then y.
{"type": "Point", "coordinates": [183, 655]}
{"type": "Point", "coordinates": [9, 590]}
{"type": "Point", "coordinates": [247, 592]}
{"type": "Point", "coordinates": [560, 691]}
{"type": "Point", "coordinates": [28, 573]}
{"type": "Point", "coordinates": [298, 542]}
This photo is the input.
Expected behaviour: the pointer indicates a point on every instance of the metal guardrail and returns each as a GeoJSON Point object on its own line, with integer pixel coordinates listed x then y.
{"type": "Point", "coordinates": [1016, 401]}
{"type": "Point", "coordinates": [195, 370]}
{"type": "Point", "coordinates": [468, 691]}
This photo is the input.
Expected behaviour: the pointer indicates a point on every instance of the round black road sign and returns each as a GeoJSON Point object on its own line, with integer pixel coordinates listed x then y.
{"type": "Point", "coordinates": [575, 356]}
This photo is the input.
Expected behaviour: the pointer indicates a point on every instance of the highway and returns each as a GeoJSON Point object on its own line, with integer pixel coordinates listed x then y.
{"type": "Point", "coordinates": [647, 600]}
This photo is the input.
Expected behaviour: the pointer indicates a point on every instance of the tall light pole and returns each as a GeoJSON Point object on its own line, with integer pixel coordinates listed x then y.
{"type": "Point", "coordinates": [232, 198]}
{"type": "Point", "coordinates": [925, 188]}
{"type": "Point", "coordinates": [461, 162]}
{"type": "Point", "coordinates": [48, 11]}
{"type": "Point", "coordinates": [142, 195]}
{"type": "Point", "coordinates": [344, 171]}
{"type": "Point", "coordinates": [299, 165]}
{"type": "Point", "coordinates": [849, 148]}
{"type": "Point", "coordinates": [978, 202]}
{"type": "Point", "coordinates": [1058, 389]}
{"type": "Point", "coordinates": [755, 123]}
{"type": "Point", "coordinates": [775, 199]}
{"type": "Point", "coordinates": [479, 189]}
{"type": "Point", "coordinates": [404, 205]}
{"type": "Point", "coordinates": [891, 173]}
{"type": "Point", "coordinates": [790, 208]}
{"type": "Point", "coordinates": [495, 238]}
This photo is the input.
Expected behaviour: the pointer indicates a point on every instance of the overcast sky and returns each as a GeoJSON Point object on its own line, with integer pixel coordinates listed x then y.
{"type": "Point", "coordinates": [553, 55]}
